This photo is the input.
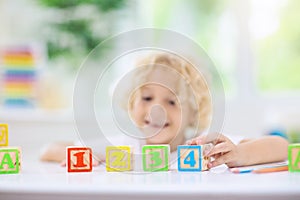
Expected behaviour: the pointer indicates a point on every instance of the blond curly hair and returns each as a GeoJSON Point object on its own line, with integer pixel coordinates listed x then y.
{"type": "Point", "coordinates": [197, 95]}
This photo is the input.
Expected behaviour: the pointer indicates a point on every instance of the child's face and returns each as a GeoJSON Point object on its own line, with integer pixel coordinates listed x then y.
{"type": "Point", "coordinates": [158, 113]}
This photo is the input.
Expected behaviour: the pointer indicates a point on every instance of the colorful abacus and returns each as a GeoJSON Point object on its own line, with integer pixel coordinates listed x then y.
{"type": "Point", "coordinates": [10, 157]}
{"type": "Point", "coordinates": [19, 77]}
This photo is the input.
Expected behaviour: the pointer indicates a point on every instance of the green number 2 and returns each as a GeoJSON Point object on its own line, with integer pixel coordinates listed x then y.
{"type": "Point", "coordinates": [190, 159]}
{"type": "Point", "coordinates": [155, 158]}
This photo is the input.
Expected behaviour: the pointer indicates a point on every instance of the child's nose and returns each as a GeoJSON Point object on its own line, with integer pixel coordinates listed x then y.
{"type": "Point", "coordinates": [157, 114]}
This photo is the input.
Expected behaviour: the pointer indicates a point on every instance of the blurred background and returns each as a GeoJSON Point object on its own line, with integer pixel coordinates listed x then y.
{"type": "Point", "coordinates": [255, 45]}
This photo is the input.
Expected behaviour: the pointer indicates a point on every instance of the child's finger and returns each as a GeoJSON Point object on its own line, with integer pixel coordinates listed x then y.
{"type": "Point", "coordinates": [223, 159]}
{"type": "Point", "coordinates": [219, 148]}
{"type": "Point", "coordinates": [95, 162]}
{"type": "Point", "coordinates": [221, 138]}
{"type": "Point", "coordinates": [63, 163]}
{"type": "Point", "coordinates": [216, 156]}
{"type": "Point", "coordinates": [196, 141]}
{"type": "Point", "coordinates": [191, 142]}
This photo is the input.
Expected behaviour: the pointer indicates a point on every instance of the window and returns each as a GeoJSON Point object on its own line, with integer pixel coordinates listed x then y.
{"type": "Point", "coordinates": [208, 22]}
{"type": "Point", "coordinates": [275, 28]}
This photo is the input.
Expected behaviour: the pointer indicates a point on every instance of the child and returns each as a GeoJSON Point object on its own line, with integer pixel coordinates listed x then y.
{"type": "Point", "coordinates": [163, 104]}
{"type": "Point", "coordinates": [173, 96]}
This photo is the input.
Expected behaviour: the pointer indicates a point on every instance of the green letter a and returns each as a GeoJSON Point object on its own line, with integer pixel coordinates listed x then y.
{"type": "Point", "coordinates": [297, 160]}
{"type": "Point", "coordinates": [7, 160]}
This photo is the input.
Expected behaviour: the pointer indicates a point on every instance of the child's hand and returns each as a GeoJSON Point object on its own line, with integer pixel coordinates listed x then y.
{"type": "Point", "coordinates": [224, 151]}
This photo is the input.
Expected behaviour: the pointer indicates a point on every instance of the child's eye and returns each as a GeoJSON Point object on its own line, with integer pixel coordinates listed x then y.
{"type": "Point", "coordinates": [172, 103]}
{"type": "Point", "coordinates": [147, 98]}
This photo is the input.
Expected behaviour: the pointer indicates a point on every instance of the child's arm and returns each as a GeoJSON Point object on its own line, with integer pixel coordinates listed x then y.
{"type": "Point", "coordinates": [55, 152]}
{"type": "Point", "coordinates": [264, 150]}
{"type": "Point", "coordinates": [249, 152]}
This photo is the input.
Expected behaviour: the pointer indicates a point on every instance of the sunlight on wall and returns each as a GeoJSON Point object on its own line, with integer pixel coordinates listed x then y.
{"type": "Point", "coordinates": [265, 17]}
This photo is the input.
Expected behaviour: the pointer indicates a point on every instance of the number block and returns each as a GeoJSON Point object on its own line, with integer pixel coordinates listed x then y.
{"type": "Point", "coordinates": [205, 160]}
{"type": "Point", "coordinates": [79, 159]}
{"type": "Point", "coordinates": [294, 157]}
{"type": "Point", "coordinates": [156, 157]}
{"type": "Point", "coordinates": [3, 135]}
{"type": "Point", "coordinates": [190, 158]}
{"type": "Point", "coordinates": [10, 160]}
{"type": "Point", "coordinates": [119, 158]}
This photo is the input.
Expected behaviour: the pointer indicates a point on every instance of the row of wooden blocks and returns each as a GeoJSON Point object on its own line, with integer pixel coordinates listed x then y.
{"type": "Point", "coordinates": [120, 158]}
{"type": "Point", "coordinates": [154, 158]}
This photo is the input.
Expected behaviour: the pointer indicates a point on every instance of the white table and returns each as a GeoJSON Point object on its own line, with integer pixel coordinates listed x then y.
{"type": "Point", "coordinates": [45, 181]}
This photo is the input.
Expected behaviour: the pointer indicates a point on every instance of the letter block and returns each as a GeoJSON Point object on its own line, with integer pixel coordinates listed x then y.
{"type": "Point", "coordinates": [10, 160]}
{"type": "Point", "coordinates": [190, 158]}
{"type": "Point", "coordinates": [79, 159]}
{"type": "Point", "coordinates": [3, 135]}
{"type": "Point", "coordinates": [294, 157]}
{"type": "Point", "coordinates": [156, 157]}
{"type": "Point", "coordinates": [119, 158]}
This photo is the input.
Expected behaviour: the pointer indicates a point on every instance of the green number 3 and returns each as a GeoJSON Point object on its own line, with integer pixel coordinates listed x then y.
{"type": "Point", "coordinates": [155, 158]}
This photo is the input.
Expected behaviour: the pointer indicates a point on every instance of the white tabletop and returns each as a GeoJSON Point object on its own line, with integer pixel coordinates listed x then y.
{"type": "Point", "coordinates": [49, 180]}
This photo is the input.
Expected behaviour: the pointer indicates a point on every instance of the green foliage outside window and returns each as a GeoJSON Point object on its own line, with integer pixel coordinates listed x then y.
{"type": "Point", "coordinates": [278, 55]}
{"type": "Point", "coordinates": [72, 34]}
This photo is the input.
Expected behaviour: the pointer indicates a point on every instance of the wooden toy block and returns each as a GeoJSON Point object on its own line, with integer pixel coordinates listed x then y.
{"type": "Point", "coordinates": [10, 160]}
{"type": "Point", "coordinates": [3, 135]}
{"type": "Point", "coordinates": [156, 157]}
{"type": "Point", "coordinates": [294, 157]}
{"type": "Point", "coordinates": [119, 158]}
{"type": "Point", "coordinates": [190, 158]}
{"type": "Point", "coordinates": [79, 159]}
{"type": "Point", "coordinates": [205, 160]}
